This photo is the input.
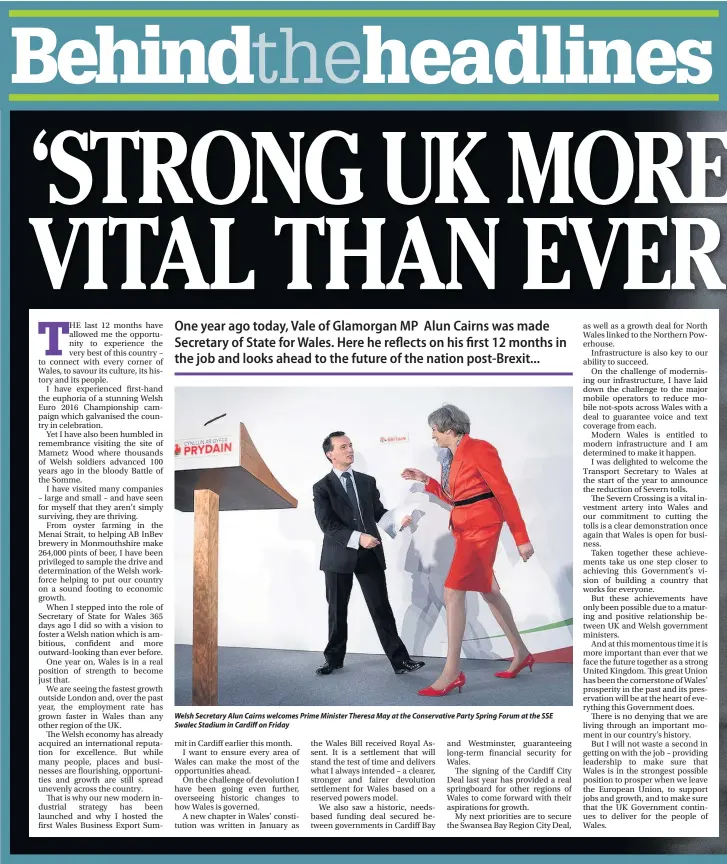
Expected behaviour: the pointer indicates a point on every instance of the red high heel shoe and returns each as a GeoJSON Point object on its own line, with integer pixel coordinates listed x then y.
{"type": "Point", "coordinates": [458, 682]}
{"type": "Point", "coordinates": [528, 661]}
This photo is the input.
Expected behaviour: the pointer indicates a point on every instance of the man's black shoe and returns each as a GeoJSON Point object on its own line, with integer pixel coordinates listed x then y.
{"type": "Point", "coordinates": [409, 666]}
{"type": "Point", "coordinates": [327, 668]}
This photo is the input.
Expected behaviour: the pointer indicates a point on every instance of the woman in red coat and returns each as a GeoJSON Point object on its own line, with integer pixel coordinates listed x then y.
{"type": "Point", "coordinates": [475, 485]}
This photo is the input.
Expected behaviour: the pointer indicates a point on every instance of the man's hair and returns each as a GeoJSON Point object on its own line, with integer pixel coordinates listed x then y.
{"type": "Point", "coordinates": [449, 418]}
{"type": "Point", "coordinates": [328, 443]}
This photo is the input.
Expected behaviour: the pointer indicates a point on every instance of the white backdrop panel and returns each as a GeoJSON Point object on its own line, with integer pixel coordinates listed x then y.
{"type": "Point", "coordinates": [271, 592]}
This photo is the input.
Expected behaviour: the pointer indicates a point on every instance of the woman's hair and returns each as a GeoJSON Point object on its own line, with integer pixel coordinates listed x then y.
{"type": "Point", "coordinates": [450, 418]}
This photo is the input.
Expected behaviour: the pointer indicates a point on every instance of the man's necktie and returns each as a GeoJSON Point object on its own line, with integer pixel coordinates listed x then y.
{"type": "Point", "coordinates": [351, 492]}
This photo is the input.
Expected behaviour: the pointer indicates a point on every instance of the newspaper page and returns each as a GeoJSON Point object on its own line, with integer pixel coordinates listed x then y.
{"type": "Point", "coordinates": [373, 443]}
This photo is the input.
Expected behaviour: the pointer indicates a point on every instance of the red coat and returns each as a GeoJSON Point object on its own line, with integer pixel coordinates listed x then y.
{"type": "Point", "coordinates": [476, 469]}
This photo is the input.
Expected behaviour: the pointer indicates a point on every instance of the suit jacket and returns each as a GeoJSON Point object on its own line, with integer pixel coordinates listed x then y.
{"type": "Point", "coordinates": [335, 516]}
{"type": "Point", "coordinates": [475, 469]}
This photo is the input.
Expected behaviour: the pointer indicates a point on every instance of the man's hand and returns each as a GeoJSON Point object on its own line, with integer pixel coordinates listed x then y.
{"type": "Point", "coordinates": [366, 541]}
{"type": "Point", "coordinates": [405, 522]}
{"type": "Point", "coordinates": [415, 474]}
{"type": "Point", "coordinates": [526, 551]}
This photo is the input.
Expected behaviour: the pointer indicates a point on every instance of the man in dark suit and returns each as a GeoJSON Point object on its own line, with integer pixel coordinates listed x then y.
{"type": "Point", "coordinates": [348, 506]}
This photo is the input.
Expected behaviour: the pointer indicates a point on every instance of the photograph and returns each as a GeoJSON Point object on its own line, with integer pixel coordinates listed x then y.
{"type": "Point", "coordinates": [373, 546]}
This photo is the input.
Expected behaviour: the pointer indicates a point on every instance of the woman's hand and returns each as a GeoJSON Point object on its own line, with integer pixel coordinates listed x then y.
{"type": "Point", "coordinates": [415, 474]}
{"type": "Point", "coordinates": [526, 551]}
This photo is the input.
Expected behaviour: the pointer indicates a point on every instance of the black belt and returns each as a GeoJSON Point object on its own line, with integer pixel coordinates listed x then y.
{"type": "Point", "coordinates": [474, 500]}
